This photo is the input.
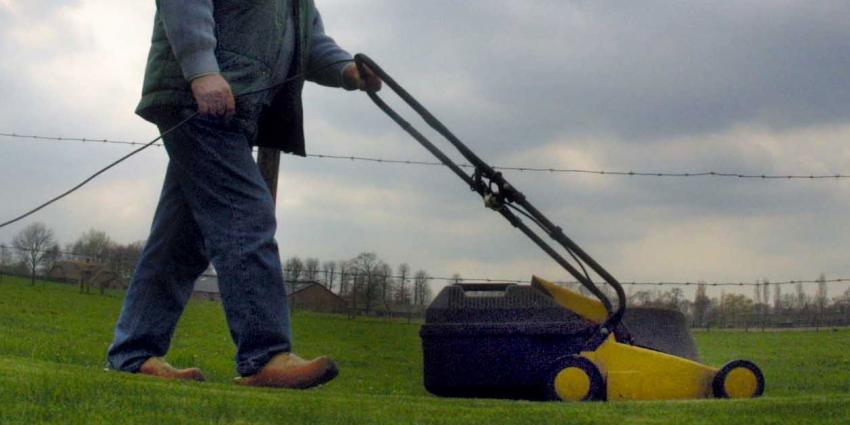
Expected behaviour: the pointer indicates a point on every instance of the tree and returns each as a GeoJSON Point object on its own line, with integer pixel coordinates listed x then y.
{"type": "Point", "coordinates": [843, 301]}
{"type": "Point", "coordinates": [385, 281]}
{"type": "Point", "coordinates": [777, 298]}
{"type": "Point", "coordinates": [642, 298]}
{"type": "Point", "coordinates": [789, 302]}
{"type": "Point", "coordinates": [761, 297]}
{"type": "Point", "coordinates": [757, 293]}
{"type": "Point", "coordinates": [122, 259]}
{"type": "Point", "coordinates": [822, 296]}
{"type": "Point", "coordinates": [674, 299]}
{"type": "Point", "coordinates": [329, 274]}
{"type": "Point", "coordinates": [344, 280]}
{"type": "Point", "coordinates": [801, 301]}
{"type": "Point", "coordinates": [311, 269]}
{"type": "Point", "coordinates": [701, 305]}
{"type": "Point", "coordinates": [292, 269]}
{"type": "Point", "coordinates": [51, 256]}
{"type": "Point", "coordinates": [402, 297]}
{"type": "Point", "coordinates": [733, 306]}
{"type": "Point", "coordinates": [5, 259]}
{"type": "Point", "coordinates": [765, 296]}
{"type": "Point", "coordinates": [32, 244]}
{"type": "Point", "coordinates": [421, 289]}
{"type": "Point", "coordinates": [93, 245]}
{"type": "Point", "coordinates": [366, 268]}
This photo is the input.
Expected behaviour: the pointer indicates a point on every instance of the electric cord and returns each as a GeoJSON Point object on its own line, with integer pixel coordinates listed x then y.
{"type": "Point", "coordinates": [154, 141]}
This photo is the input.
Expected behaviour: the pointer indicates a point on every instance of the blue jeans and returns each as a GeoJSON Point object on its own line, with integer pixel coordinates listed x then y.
{"type": "Point", "coordinates": [214, 207]}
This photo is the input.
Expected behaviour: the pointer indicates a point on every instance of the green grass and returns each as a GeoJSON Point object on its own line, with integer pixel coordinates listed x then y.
{"type": "Point", "coordinates": [53, 340]}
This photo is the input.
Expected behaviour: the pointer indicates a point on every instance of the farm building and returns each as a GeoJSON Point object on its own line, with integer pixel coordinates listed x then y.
{"type": "Point", "coordinates": [302, 296]}
{"type": "Point", "coordinates": [313, 296]}
{"type": "Point", "coordinates": [206, 288]}
{"type": "Point", "coordinates": [85, 273]}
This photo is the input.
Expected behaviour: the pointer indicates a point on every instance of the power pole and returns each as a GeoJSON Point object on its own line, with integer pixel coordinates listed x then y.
{"type": "Point", "coordinates": [269, 161]}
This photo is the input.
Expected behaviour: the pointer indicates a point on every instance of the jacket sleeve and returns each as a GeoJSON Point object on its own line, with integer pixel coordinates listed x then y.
{"type": "Point", "coordinates": [323, 52]}
{"type": "Point", "coordinates": [190, 28]}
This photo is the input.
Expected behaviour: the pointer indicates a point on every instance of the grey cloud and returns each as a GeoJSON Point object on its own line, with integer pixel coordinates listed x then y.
{"type": "Point", "coordinates": [641, 71]}
{"type": "Point", "coordinates": [621, 80]}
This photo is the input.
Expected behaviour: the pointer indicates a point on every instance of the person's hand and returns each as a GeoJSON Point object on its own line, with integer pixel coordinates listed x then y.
{"type": "Point", "coordinates": [365, 81]}
{"type": "Point", "coordinates": [214, 96]}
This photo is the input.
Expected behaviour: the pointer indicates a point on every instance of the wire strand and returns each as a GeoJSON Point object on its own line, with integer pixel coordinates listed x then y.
{"type": "Point", "coordinates": [356, 158]}
{"type": "Point", "coordinates": [95, 175]}
{"type": "Point", "coordinates": [151, 143]}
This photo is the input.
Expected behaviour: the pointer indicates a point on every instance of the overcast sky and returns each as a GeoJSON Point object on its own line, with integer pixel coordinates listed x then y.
{"type": "Point", "coordinates": [745, 86]}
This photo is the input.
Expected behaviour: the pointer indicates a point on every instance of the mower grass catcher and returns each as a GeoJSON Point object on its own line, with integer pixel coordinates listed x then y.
{"type": "Point", "coordinates": [544, 341]}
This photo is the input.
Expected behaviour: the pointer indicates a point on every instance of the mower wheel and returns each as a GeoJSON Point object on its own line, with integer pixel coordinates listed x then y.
{"type": "Point", "coordinates": [574, 378]}
{"type": "Point", "coordinates": [738, 379]}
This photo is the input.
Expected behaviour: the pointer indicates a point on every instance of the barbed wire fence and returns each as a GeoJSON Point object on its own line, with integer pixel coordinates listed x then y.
{"type": "Point", "coordinates": [795, 310]}
{"type": "Point", "coordinates": [521, 169]}
{"type": "Point", "coordinates": [759, 317]}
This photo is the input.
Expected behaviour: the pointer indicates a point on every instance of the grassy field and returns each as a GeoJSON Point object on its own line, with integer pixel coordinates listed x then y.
{"type": "Point", "coordinates": [53, 340]}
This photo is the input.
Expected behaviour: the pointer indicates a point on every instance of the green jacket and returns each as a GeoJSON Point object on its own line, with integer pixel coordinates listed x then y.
{"type": "Point", "coordinates": [247, 49]}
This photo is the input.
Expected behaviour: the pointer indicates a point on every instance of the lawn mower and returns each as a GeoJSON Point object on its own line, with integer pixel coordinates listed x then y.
{"type": "Point", "coordinates": [545, 341]}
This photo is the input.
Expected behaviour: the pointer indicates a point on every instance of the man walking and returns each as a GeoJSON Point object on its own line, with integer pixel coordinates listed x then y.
{"type": "Point", "coordinates": [215, 206]}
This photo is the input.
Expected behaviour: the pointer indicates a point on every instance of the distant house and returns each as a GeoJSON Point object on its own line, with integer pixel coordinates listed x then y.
{"type": "Point", "coordinates": [302, 296]}
{"type": "Point", "coordinates": [85, 273]}
{"type": "Point", "coordinates": [206, 288]}
{"type": "Point", "coordinates": [313, 296]}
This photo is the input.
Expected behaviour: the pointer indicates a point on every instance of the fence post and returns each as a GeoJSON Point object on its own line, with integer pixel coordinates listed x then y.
{"type": "Point", "coordinates": [268, 159]}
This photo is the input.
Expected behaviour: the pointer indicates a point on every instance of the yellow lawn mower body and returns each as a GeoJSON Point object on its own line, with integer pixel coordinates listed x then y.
{"type": "Point", "coordinates": [620, 371]}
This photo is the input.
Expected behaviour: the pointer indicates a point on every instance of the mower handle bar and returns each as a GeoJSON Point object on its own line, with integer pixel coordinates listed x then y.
{"type": "Point", "coordinates": [504, 198]}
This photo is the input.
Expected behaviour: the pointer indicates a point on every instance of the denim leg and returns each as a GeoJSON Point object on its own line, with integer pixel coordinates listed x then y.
{"type": "Point", "coordinates": [229, 200]}
{"type": "Point", "coordinates": [171, 261]}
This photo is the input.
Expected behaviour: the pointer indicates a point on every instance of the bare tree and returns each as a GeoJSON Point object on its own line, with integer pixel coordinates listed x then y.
{"type": "Point", "coordinates": [52, 256]}
{"type": "Point", "coordinates": [122, 259]}
{"type": "Point", "coordinates": [344, 279]}
{"type": "Point", "coordinates": [32, 244]}
{"type": "Point", "coordinates": [822, 296]}
{"type": "Point", "coordinates": [801, 301]}
{"type": "Point", "coordinates": [5, 259]}
{"type": "Point", "coordinates": [701, 306]}
{"type": "Point", "coordinates": [843, 300]}
{"type": "Point", "coordinates": [765, 292]}
{"type": "Point", "coordinates": [94, 245]}
{"type": "Point", "coordinates": [366, 268]}
{"type": "Point", "coordinates": [757, 293]}
{"type": "Point", "coordinates": [427, 295]}
{"type": "Point", "coordinates": [329, 273]}
{"type": "Point", "coordinates": [292, 269]}
{"type": "Point", "coordinates": [385, 281]}
{"type": "Point", "coordinates": [733, 307]}
{"type": "Point", "coordinates": [402, 297]}
{"type": "Point", "coordinates": [642, 298]}
{"type": "Point", "coordinates": [420, 283]}
{"type": "Point", "coordinates": [311, 269]}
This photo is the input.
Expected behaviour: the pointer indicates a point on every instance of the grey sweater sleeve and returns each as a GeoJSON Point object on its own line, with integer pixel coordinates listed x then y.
{"type": "Point", "coordinates": [323, 52]}
{"type": "Point", "coordinates": [190, 28]}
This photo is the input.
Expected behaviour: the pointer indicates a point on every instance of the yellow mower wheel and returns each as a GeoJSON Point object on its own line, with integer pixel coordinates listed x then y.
{"type": "Point", "coordinates": [739, 379]}
{"type": "Point", "coordinates": [575, 378]}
